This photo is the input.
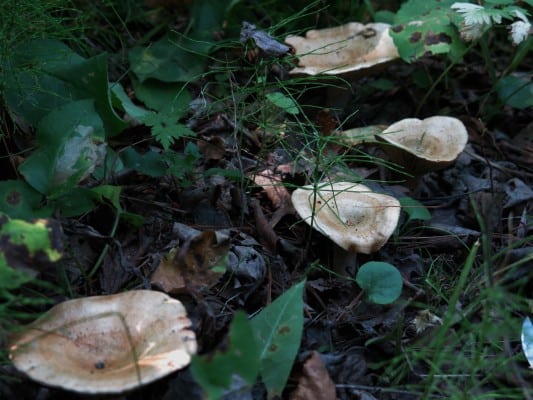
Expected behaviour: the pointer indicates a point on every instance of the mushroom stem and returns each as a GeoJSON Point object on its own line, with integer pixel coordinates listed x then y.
{"type": "Point", "coordinates": [343, 261]}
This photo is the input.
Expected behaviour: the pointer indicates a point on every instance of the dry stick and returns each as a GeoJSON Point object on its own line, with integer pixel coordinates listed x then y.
{"type": "Point", "coordinates": [266, 233]}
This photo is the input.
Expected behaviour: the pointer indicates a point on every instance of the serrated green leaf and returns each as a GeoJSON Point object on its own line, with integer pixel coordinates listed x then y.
{"type": "Point", "coordinates": [278, 329]}
{"type": "Point", "coordinates": [166, 128]}
{"type": "Point", "coordinates": [381, 281]}
{"type": "Point", "coordinates": [216, 373]}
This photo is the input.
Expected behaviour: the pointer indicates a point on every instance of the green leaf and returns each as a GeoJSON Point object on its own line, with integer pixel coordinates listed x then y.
{"type": "Point", "coordinates": [283, 102]}
{"type": "Point", "coordinates": [278, 329]}
{"type": "Point", "coordinates": [424, 26]}
{"type": "Point", "coordinates": [414, 209]}
{"type": "Point", "coordinates": [110, 193]}
{"type": "Point", "coordinates": [172, 58]}
{"type": "Point", "coordinates": [30, 91]}
{"type": "Point", "coordinates": [35, 236]}
{"type": "Point", "coordinates": [19, 200]}
{"type": "Point", "coordinates": [45, 74]}
{"type": "Point", "coordinates": [177, 58]}
{"type": "Point", "coordinates": [68, 148]}
{"type": "Point", "coordinates": [10, 278]}
{"type": "Point", "coordinates": [125, 103]}
{"type": "Point", "coordinates": [74, 202]}
{"type": "Point", "coordinates": [149, 163]}
{"type": "Point", "coordinates": [216, 373]}
{"type": "Point", "coordinates": [515, 91]}
{"type": "Point", "coordinates": [163, 96]}
{"type": "Point", "coordinates": [166, 128]}
{"type": "Point", "coordinates": [381, 281]}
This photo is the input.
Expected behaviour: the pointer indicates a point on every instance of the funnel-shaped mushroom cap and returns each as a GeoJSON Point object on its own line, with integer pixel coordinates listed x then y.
{"type": "Point", "coordinates": [425, 145]}
{"type": "Point", "coordinates": [350, 214]}
{"type": "Point", "coordinates": [106, 344]}
{"type": "Point", "coordinates": [345, 48]}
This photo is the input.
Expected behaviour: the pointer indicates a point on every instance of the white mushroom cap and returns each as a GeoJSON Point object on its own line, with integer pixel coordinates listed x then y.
{"type": "Point", "coordinates": [106, 344]}
{"type": "Point", "coordinates": [345, 48]}
{"type": "Point", "coordinates": [426, 144]}
{"type": "Point", "coordinates": [350, 214]}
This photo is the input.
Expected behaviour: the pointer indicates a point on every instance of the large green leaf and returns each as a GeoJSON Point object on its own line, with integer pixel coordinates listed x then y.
{"type": "Point", "coordinates": [163, 96]}
{"type": "Point", "coordinates": [19, 200]}
{"type": "Point", "coordinates": [68, 149]}
{"type": "Point", "coordinates": [172, 58]}
{"type": "Point", "coordinates": [45, 74]}
{"type": "Point", "coordinates": [216, 373]}
{"type": "Point", "coordinates": [278, 329]}
{"type": "Point", "coordinates": [179, 58]}
{"type": "Point", "coordinates": [425, 26]}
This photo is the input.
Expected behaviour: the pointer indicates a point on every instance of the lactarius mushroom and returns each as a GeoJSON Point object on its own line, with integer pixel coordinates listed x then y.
{"type": "Point", "coordinates": [425, 145]}
{"type": "Point", "coordinates": [106, 344]}
{"type": "Point", "coordinates": [346, 48]}
{"type": "Point", "coordinates": [350, 214]}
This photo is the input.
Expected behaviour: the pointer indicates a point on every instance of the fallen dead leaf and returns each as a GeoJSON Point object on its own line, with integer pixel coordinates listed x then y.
{"type": "Point", "coordinates": [212, 148]}
{"type": "Point", "coordinates": [315, 382]}
{"type": "Point", "coordinates": [271, 184]}
{"type": "Point", "coordinates": [276, 193]}
{"type": "Point", "coordinates": [190, 269]}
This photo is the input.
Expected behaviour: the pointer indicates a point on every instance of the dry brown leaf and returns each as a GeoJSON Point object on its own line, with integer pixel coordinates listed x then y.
{"type": "Point", "coordinates": [315, 382]}
{"type": "Point", "coordinates": [189, 269]}
{"type": "Point", "coordinates": [212, 148]}
{"type": "Point", "coordinates": [271, 184]}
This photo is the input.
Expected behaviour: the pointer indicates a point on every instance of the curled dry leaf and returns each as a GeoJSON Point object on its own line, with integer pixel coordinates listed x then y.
{"type": "Point", "coordinates": [271, 184]}
{"type": "Point", "coordinates": [212, 148]}
{"type": "Point", "coordinates": [425, 145]}
{"type": "Point", "coordinates": [106, 344]}
{"type": "Point", "coordinates": [350, 214]}
{"type": "Point", "coordinates": [190, 269]}
{"type": "Point", "coordinates": [268, 45]}
{"type": "Point", "coordinates": [315, 382]}
{"type": "Point", "coordinates": [350, 47]}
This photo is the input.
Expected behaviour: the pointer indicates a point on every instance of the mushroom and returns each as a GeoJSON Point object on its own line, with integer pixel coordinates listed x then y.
{"type": "Point", "coordinates": [349, 50]}
{"type": "Point", "coordinates": [425, 145]}
{"type": "Point", "coordinates": [346, 48]}
{"type": "Point", "coordinates": [350, 214]}
{"type": "Point", "coordinates": [106, 344]}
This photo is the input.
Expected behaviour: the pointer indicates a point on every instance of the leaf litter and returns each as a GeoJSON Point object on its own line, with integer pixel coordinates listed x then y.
{"type": "Point", "coordinates": [228, 242]}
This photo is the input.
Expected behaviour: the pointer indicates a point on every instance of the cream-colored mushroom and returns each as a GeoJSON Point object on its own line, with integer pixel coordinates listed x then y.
{"type": "Point", "coordinates": [350, 214]}
{"type": "Point", "coordinates": [346, 48]}
{"type": "Point", "coordinates": [106, 344]}
{"type": "Point", "coordinates": [425, 145]}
